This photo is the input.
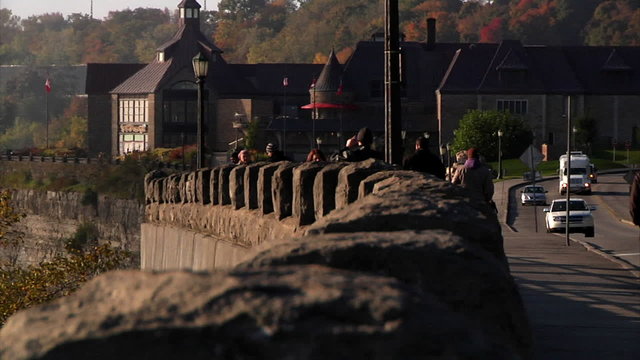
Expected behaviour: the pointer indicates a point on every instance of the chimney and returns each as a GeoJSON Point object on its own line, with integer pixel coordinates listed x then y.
{"type": "Point", "coordinates": [431, 33]}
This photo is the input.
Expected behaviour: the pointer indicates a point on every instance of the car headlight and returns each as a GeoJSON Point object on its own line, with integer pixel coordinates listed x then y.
{"type": "Point", "coordinates": [587, 184]}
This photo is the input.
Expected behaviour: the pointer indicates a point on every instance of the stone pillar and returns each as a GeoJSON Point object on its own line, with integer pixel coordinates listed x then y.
{"type": "Point", "coordinates": [158, 189]}
{"type": "Point", "coordinates": [251, 185]}
{"type": "Point", "coordinates": [214, 191]}
{"type": "Point", "coordinates": [302, 205]}
{"type": "Point", "coordinates": [282, 190]}
{"type": "Point", "coordinates": [172, 186]}
{"type": "Point", "coordinates": [265, 176]}
{"type": "Point", "coordinates": [202, 186]}
{"type": "Point", "coordinates": [223, 184]}
{"type": "Point", "coordinates": [182, 187]}
{"type": "Point", "coordinates": [190, 187]}
{"type": "Point", "coordinates": [236, 186]}
{"type": "Point", "coordinates": [324, 189]}
{"type": "Point", "coordinates": [367, 185]}
{"type": "Point", "coordinates": [350, 176]}
{"type": "Point", "coordinates": [149, 179]}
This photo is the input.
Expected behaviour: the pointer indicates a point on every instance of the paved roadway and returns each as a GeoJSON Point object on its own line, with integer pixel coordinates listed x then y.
{"type": "Point", "coordinates": [582, 302]}
{"type": "Point", "coordinates": [614, 233]}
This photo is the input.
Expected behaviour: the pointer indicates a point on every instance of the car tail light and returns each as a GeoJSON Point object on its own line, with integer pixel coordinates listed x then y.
{"type": "Point", "coordinates": [564, 185]}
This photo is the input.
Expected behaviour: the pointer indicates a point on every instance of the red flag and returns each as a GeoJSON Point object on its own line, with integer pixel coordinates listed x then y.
{"type": "Point", "coordinates": [285, 82]}
{"type": "Point", "coordinates": [47, 85]}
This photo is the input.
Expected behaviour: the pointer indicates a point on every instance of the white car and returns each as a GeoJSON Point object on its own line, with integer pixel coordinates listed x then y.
{"type": "Point", "coordinates": [580, 218]}
{"type": "Point", "coordinates": [533, 194]}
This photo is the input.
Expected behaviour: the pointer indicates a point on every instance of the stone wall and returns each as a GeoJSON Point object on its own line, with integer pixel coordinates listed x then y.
{"type": "Point", "coordinates": [389, 265]}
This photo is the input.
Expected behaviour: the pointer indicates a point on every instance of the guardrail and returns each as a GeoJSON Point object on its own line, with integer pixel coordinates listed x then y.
{"type": "Point", "coordinates": [84, 160]}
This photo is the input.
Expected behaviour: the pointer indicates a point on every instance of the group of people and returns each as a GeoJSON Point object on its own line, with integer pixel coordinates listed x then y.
{"type": "Point", "coordinates": [470, 171]}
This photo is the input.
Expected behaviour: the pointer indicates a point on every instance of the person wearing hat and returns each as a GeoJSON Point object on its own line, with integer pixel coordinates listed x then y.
{"type": "Point", "coordinates": [364, 151]}
{"type": "Point", "coordinates": [475, 176]}
{"type": "Point", "coordinates": [274, 154]}
{"type": "Point", "coordinates": [424, 160]}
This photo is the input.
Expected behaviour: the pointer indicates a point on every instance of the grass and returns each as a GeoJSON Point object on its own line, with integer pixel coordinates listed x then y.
{"type": "Point", "coordinates": [602, 159]}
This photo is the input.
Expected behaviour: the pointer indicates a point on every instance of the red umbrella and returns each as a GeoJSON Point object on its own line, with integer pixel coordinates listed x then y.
{"type": "Point", "coordinates": [329, 106]}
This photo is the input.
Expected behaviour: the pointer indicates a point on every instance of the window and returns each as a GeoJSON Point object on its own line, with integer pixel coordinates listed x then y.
{"type": "Point", "coordinates": [133, 110]}
{"type": "Point", "coordinates": [512, 106]}
{"type": "Point", "coordinates": [132, 142]}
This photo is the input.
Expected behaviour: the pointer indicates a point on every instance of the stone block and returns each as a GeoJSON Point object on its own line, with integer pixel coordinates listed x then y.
{"type": "Point", "coordinates": [350, 176]}
{"type": "Point", "coordinates": [173, 189]}
{"type": "Point", "coordinates": [324, 188]}
{"type": "Point", "coordinates": [265, 177]}
{"type": "Point", "coordinates": [282, 190]}
{"type": "Point", "coordinates": [304, 176]}
{"type": "Point", "coordinates": [236, 186]}
{"type": "Point", "coordinates": [203, 180]}
{"type": "Point", "coordinates": [190, 187]}
{"type": "Point", "coordinates": [214, 180]}
{"type": "Point", "coordinates": [182, 187]}
{"type": "Point", "coordinates": [223, 184]}
{"type": "Point", "coordinates": [251, 174]}
{"type": "Point", "coordinates": [148, 184]}
{"type": "Point", "coordinates": [367, 185]}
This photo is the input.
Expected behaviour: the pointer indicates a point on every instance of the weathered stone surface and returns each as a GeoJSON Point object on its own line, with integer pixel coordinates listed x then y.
{"type": "Point", "coordinates": [223, 184]}
{"type": "Point", "coordinates": [350, 176]}
{"type": "Point", "coordinates": [417, 203]}
{"type": "Point", "coordinates": [304, 176]}
{"type": "Point", "coordinates": [236, 186]}
{"type": "Point", "coordinates": [172, 193]}
{"type": "Point", "coordinates": [265, 176]}
{"type": "Point", "coordinates": [282, 190]}
{"type": "Point", "coordinates": [158, 186]}
{"type": "Point", "coordinates": [366, 185]}
{"type": "Point", "coordinates": [324, 188]}
{"type": "Point", "coordinates": [214, 194]}
{"type": "Point", "coordinates": [251, 184]}
{"type": "Point", "coordinates": [464, 276]}
{"type": "Point", "coordinates": [203, 179]}
{"type": "Point", "coordinates": [183, 183]}
{"type": "Point", "coordinates": [298, 312]}
{"type": "Point", "coordinates": [190, 187]}
{"type": "Point", "coordinates": [148, 185]}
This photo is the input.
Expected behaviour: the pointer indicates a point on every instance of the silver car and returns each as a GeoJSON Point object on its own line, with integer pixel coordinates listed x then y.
{"type": "Point", "coordinates": [533, 194]}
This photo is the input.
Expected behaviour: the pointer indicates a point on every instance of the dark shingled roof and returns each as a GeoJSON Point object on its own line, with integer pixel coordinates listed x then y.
{"type": "Point", "coordinates": [267, 78]}
{"type": "Point", "coordinates": [606, 69]}
{"type": "Point", "coordinates": [102, 78]}
{"type": "Point", "coordinates": [331, 75]}
{"type": "Point", "coordinates": [144, 81]}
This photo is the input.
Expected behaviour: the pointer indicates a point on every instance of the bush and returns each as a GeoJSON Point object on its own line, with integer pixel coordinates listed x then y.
{"type": "Point", "coordinates": [86, 235]}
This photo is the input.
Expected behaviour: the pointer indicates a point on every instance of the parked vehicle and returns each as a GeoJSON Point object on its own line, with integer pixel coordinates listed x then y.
{"type": "Point", "coordinates": [533, 194]}
{"type": "Point", "coordinates": [578, 179]}
{"type": "Point", "coordinates": [580, 217]}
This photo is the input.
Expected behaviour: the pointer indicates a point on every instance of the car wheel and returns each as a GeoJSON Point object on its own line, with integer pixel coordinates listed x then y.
{"type": "Point", "coordinates": [589, 232]}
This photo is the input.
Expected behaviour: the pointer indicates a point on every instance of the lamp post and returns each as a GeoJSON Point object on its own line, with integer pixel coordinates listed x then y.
{"type": "Point", "coordinates": [573, 132]}
{"type": "Point", "coordinates": [443, 151]}
{"type": "Point", "coordinates": [448, 147]}
{"type": "Point", "coordinates": [200, 69]}
{"type": "Point", "coordinates": [500, 154]}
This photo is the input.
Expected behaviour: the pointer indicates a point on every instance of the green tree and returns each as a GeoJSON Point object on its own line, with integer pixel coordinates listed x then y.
{"type": "Point", "coordinates": [479, 129]}
{"type": "Point", "coordinates": [586, 133]}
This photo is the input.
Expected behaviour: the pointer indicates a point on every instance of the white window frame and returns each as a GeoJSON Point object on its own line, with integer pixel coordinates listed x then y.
{"type": "Point", "coordinates": [514, 106]}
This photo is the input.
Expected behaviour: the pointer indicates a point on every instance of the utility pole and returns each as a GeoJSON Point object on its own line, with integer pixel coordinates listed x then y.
{"type": "Point", "coordinates": [392, 121]}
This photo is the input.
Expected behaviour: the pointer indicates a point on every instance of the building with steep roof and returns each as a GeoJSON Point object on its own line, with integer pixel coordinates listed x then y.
{"type": "Point", "coordinates": [155, 106]}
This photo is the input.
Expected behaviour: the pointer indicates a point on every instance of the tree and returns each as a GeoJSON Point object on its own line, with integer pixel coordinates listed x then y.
{"type": "Point", "coordinates": [586, 132]}
{"type": "Point", "coordinates": [479, 129]}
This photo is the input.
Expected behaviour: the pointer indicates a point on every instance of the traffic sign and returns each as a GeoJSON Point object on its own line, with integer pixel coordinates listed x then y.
{"type": "Point", "coordinates": [531, 157]}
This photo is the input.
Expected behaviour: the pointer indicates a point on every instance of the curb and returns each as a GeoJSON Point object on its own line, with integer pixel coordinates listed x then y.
{"type": "Point", "coordinates": [588, 246]}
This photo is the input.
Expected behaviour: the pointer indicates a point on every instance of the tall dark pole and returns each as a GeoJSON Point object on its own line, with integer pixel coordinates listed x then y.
{"type": "Point", "coordinates": [392, 136]}
{"type": "Point", "coordinates": [200, 140]}
{"type": "Point", "coordinates": [46, 116]}
{"type": "Point", "coordinates": [568, 170]}
{"type": "Point", "coordinates": [284, 114]}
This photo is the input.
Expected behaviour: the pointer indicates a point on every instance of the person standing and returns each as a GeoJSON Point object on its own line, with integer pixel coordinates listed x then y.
{"type": "Point", "coordinates": [364, 151]}
{"type": "Point", "coordinates": [475, 176]}
{"type": "Point", "coordinates": [424, 160]}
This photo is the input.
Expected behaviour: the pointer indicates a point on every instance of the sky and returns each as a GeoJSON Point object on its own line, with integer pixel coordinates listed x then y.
{"type": "Point", "coordinates": [101, 8]}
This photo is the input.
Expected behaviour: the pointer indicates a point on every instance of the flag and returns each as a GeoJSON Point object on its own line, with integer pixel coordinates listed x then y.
{"type": "Point", "coordinates": [340, 88]}
{"type": "Point", "coordinates": [47, 85]}
{"type": "Point", "coordinates": [285, 82]}
{"type": "Point", "coordinates": [313, 83]}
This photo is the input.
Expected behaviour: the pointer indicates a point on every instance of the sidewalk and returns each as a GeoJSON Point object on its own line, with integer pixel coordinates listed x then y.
{"type": "Point", "coordinates": [581, 303]}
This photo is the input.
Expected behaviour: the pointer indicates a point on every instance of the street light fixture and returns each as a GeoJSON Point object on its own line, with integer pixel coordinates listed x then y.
{"type": "Point", "coordinates": [500, 133]}
{"type": "Point", "coordinates": [200, 69]}
{"type": "Point", "coordinates": [319, 142]}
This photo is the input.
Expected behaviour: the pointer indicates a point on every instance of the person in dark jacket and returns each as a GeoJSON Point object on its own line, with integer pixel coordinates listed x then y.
{"type": "Point", "coordinates": [424, 160]}
{"type": "Point", "coordinates": [274, 154]}
{"type": "Point", "coordinates": [364, 151]}
{"type": "Point", "coordinates": [475, 176]}
{"type": "Point", "coordinates": [634, 200]}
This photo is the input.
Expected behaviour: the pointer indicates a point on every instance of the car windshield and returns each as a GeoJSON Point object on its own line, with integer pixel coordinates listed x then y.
{"type": "Point", "coordinates": [574, 205]}
{"type": "Point", "coordinates": [576, 171]}
{"type": "Point", "coordinates": [534, 190]}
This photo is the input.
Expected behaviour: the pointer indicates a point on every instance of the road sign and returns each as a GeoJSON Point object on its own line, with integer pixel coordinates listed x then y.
{"type": "Point", "coordinates": [531, 157]}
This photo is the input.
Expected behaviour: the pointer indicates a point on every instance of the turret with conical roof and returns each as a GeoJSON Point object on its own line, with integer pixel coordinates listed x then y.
{"type": "Point", "coordinates": [329, 87]}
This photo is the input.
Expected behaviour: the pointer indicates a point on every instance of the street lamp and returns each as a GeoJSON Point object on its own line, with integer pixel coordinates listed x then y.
{"type": "Point", "coordinates": [573, 132]}
{"type": "Point", "coordinates": [500, 154]}
{"type": "Point", "coordinates": [200, 69]}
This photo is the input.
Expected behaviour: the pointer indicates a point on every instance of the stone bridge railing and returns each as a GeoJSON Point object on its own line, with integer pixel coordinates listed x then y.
{"type": "Point", "coordinates": [312, 261]}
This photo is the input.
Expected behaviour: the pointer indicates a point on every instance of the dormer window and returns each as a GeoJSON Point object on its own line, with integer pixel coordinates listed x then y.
{"type": "Point", "coordinates": [161, 56]}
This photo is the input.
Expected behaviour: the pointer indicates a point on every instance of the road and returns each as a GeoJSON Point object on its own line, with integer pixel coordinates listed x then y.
{"type": "Point", "coordinates": [614, 233]}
